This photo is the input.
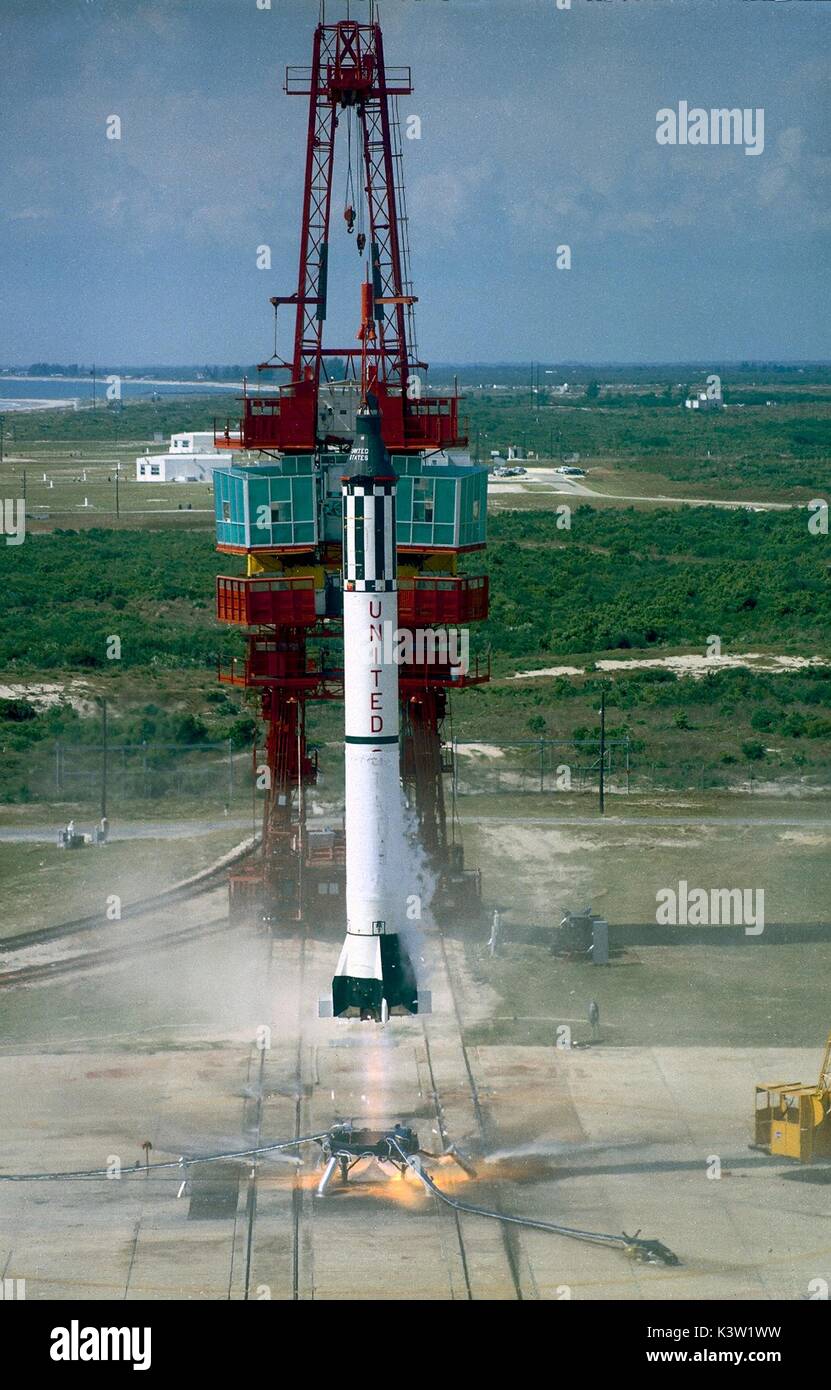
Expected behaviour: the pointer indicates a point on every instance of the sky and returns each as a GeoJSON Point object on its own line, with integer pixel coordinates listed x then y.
{"type": "Point", "coordinates": [538, 130]}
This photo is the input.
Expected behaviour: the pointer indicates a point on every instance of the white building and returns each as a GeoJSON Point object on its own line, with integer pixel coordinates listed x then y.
{"type": "Point", "coordinates": [702, 401]}
{"type": "Point", "coordinates": [191, 458]}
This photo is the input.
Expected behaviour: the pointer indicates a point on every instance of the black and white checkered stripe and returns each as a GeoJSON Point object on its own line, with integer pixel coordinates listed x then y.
{"type": "Point", "coordinates": [369, 551]}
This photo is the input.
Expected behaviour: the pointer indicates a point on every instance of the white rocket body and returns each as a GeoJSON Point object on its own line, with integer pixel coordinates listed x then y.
{"type": "Point", "coordinates": [374, 976]}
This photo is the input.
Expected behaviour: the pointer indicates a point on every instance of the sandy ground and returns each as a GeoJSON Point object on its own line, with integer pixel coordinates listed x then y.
{"type": "Point", "coordinates": [692, 663]}
{"type": "Point", "coordinates": [46, 696]}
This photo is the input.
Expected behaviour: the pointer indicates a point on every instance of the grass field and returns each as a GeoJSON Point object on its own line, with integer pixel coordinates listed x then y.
{"type": "Point", "coordinates": [622, 482]}
{"type": "Point", "coordinates": [540, 855]}
{"type": "Point", "coordinates": [755, 994]}
{"type": "Point", "coordinates": [626, 581]}
{"type": "Point", "coordinates": [43, 885]}
{"type": "Point", "coordinates": [660, 996]}
{"type": "Point", "coordinates": [635, 437]}
{"type": "Point", "coordinates": [772, 441]}
{"type": "Point", "coordinates": [75, 486]}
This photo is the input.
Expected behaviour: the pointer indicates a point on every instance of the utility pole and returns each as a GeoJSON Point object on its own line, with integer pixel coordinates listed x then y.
{"type": "Point", "coordinates": [601, 783]}
{"type": "Point", "coordinates": [2, 430]}
{"type": "Point", "coordinates": [93, 385]}
{"type": "Point", "coordinates": [103, 756]}
{"type": "Point", "coordinates": [254, 789]}
{"type": "Point", "coordinates": [117, 474]}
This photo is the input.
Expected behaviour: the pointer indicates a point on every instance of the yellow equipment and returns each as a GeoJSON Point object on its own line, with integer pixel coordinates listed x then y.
{"type": "Point", "coordinates": [794, 1121]}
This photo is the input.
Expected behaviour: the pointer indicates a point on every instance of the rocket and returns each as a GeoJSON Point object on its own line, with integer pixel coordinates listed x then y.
{"type": "Point", "coordinates": [374, 976]}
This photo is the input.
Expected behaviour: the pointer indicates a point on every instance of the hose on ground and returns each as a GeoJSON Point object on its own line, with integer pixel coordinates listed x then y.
{"type": "Point", "coordinates": [182, 1162]}
{"type": "Point", "coordinates": [646, 1251]}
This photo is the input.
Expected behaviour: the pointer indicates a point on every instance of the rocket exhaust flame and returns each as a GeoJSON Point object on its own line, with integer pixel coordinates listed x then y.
{"type": "Point", "coordinates": [462, 1160]}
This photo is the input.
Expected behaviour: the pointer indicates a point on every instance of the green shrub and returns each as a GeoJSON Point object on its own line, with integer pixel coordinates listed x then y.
{"type": "Point", "coordinates": [17, 710]}
{"type": "Point", "coordinates": [763, 719]}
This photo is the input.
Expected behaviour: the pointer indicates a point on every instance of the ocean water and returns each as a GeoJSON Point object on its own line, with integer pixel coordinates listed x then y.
{"type": "Point", "coordinates": [27, 393]}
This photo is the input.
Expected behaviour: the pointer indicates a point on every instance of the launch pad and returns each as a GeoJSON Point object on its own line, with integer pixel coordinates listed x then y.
{"type": "Point", "coordinates": [344, 1146]}
{"type": "Point", "coordinates": [571, 1136]}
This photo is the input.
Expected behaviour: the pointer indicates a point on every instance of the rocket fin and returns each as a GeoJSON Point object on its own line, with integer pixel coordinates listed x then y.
{"type": "Point", "coordinates": [359, 990]}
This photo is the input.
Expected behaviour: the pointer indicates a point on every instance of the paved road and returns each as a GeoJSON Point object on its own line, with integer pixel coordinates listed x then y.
{"type": "Point", "coordinates": [132, 830]}
{"type": "Point", "coordinates": [548, 480]}
{"type": "Point", "coordinates": [186, 829]}
{"type": "Point", "coordinates": [812, 823]}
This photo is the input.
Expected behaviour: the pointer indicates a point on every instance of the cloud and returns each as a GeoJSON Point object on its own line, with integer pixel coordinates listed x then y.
{"type": "Point", "coordinates": [445, 199]}
{"type": "Point", "coordinates": [31, 214]}
{"type": "Point", "coordinates": [538, 128]}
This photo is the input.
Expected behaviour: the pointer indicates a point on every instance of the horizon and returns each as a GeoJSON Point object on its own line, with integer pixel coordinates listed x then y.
{"type": "Point", "coordinates": [704, 363]}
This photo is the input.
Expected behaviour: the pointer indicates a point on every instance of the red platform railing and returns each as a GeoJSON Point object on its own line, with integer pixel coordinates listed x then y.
{"type": "Point", "coordinates": [442, 599]}
{"type": "Point", "coordinates": [287, 419]}
{"type": "Point", "coordinates": [431, 673]}
{"type": "Point", "coordinates": [434, 421]}
{"type": "Point", "coordinates": [269, 664]}
{"type": "Point", "coordinates": [266, 601]}
{"type": "Point", "coordinates": [275, 663]}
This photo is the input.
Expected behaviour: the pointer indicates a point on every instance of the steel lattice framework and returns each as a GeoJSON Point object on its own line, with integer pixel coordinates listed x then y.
{"type": "Point", "coordinates": [348, 74]}
{"type": "Point", "coordinates": [348, 71]}
{"type": "Point", "coordinates": [279, 601]}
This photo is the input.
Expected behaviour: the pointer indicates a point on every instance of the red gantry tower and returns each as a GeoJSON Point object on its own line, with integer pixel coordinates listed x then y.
{"type": "Point", "coordinates": [281, 510]}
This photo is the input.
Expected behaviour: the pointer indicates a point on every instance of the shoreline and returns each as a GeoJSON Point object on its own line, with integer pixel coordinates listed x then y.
{"type": "Point", "coordinates": [19, 405]}
{"type": "Point", "coordinates": [139, 380]}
